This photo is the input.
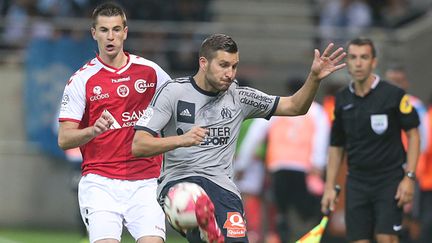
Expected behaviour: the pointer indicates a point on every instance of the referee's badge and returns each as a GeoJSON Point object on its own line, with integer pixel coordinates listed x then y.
{"type": "Point", "coordinates": [379, 123]}
{"type": "Point", "coordinates": [405, 106]}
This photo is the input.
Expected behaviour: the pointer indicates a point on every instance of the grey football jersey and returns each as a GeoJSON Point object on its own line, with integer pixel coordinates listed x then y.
{"type": "Point", "coordinates": [180, 104]}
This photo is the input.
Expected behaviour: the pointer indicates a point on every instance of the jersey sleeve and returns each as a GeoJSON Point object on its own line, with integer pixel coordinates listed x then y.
{"type": "Point", "coordinates": [73, 101]}
{"type": "Point", "coordinates": [158, 113]}
{"type": "Point", "coordinates": [257, 104]}
{"type": "Point", "coordinates": [407, 114]}
{"type": "Point", "coordinates": [162, 77]}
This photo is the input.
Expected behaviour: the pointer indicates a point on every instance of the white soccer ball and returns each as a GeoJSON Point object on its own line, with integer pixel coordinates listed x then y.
{"type": "Point", "coordinates": [180, 205]}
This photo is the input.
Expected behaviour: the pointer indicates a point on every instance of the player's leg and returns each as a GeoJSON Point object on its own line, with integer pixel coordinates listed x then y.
{"type": "Point", "coordinates": [204, 207]}
{"type": "Point", "coordinates": [99, 210]}
{"type": "Point", "coordinates": [359, 212]}
{"type": "Point", "coordinates": [282, 181]}
{"type": "Point", "coordinates": [229, 212]}
{"type": "Point", "coordinates": [144, 217]}
{"type": "Point", "coordinates": [388, 215]}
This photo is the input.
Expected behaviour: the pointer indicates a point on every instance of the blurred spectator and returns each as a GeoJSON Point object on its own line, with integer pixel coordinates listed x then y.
{"type": "Point", "coordinates": [341, 20]}
{"type": "Point", "coordinates": [295, 157]}
{"type": "Point", "coordinates": [397, 75]}
{"type": "Point", "coordinates": [424, 173]}
{"type": "Point", "coordinates": [17, 21]}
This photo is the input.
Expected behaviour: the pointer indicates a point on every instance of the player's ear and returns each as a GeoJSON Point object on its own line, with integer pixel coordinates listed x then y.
{"type": "Point", "coordinates": [203, 63]}
{"type": "Point", "coordinates": [126, 32]}
{"type": "Point", "coordinates": [93, 32]}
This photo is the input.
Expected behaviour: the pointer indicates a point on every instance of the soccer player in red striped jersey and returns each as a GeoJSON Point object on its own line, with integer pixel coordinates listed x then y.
{"type": "Point", "coordinates": [101, 103]}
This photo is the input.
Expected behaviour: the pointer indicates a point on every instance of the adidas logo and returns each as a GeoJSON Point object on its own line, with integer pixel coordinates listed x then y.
{"type": "Point", "coordinates": [185, 112]}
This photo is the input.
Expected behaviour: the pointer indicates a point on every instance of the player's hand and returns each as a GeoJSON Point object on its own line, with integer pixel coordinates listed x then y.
{"type": "Point", "coordinates": [405, 191]}
{"type": "Point", "coordinates": [329, 200]}
{"type": "Point", "coordinates": [195, 136]}
{"type": "Point", "coordinates": [102, 124]}
{"type": "Point", "coordinates": [327, 63]}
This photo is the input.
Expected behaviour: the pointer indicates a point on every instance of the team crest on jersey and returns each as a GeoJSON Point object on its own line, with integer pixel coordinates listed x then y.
{"type": "Point", "coordinates": [141, 85]}
{"type": "Point", "coordinates": [123, 90]}
{"type": "Point", "coordinates": [226, 113]}
{"type": "Point", "coordinates": [235, 225]}
{"type": "Point", "coordinates": [185, 112]}
{"type": "Point", "coordinates": [405, 106]}
{"type": "Point", "coordinates": [379, 123]}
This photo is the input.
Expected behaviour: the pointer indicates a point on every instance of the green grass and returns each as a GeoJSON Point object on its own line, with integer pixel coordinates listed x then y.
{"type": "Point", "coordinates": [45, 236]}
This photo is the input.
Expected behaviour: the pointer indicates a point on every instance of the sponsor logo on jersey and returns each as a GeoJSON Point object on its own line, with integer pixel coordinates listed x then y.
{"type": "Point", "coordinates": [141, 85]}
{"type": "Point", "coordinates": [97, 91]}
{"type": "Point", "coordinates": [379, 123]}
{"type": "Point", "coordinates": [115, 124]}
{"type": "Point", "coordinates": [185, 112]}
{"type": "Point", "coordinates": [130, 118]}
{"type": "Point", "coordinates": [123, 90]}
{"type": "Point", "coordinates": [258, 101]}
{"type": "Point", "coordinates": [217, 136]}
{"type": "Point", "coordinates": [405, 106]}
{"type": "Point", "coordinates": [235, 225]}
{"type": "Point", "coordinates": [120, 80]}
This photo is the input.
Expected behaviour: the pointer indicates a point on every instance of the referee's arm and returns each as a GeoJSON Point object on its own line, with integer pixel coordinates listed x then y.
{"type": "Point", "coordinates": [334, 161]}
{"type": "Point", "coordinates": [405, 192]}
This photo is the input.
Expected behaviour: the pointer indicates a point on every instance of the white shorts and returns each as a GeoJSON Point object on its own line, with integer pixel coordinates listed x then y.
{"type": "Point", "coordinates": [106, 203]}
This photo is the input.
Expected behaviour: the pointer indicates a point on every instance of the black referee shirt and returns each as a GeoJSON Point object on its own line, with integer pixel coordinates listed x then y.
{"type": "Point", "coordinates": [369, 128]}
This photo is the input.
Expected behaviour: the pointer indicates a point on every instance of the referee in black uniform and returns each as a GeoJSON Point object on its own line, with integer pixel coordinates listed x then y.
{"type": "Point", "coordinates": [369, 117]}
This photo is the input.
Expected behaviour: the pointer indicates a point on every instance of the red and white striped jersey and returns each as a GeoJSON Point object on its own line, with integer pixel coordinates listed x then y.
{"type": "Point", "coordinates": [125, 93]}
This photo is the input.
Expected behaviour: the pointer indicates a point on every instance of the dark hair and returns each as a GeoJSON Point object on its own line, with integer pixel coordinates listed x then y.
{"type": "Point", "coordinates": [108, 9]}
{"type": "Point", "coordinates": [215, 43]}
{"type": "Point", "coordinates": [362, 41]}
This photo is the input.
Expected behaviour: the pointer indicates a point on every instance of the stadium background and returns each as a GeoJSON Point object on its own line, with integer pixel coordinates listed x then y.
{"type": "Point", "coordinates": [39, 51]}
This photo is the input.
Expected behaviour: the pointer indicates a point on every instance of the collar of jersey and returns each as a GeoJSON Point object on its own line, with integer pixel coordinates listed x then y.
{"type": "Point", "coordinates": [204, 92]}
{"type": "Point", "coordinates": [373, 86]}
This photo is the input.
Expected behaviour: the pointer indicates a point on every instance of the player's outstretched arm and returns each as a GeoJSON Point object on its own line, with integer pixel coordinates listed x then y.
{"type": "Point", "coordinates": [145, 145]}
{"type": "Point", "coordinates": [322, 66]}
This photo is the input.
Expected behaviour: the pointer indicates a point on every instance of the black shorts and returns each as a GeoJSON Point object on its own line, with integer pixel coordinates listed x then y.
{"type": "Point", "coordinates": [228, 206]}
{"type": "Point", "coordinates": [372, 209]}
{"type": "Point", "coordinates": [290, 190]}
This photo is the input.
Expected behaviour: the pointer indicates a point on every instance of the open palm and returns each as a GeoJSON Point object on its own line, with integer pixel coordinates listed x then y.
{"type": "Point", "coordinates": [327, 63]}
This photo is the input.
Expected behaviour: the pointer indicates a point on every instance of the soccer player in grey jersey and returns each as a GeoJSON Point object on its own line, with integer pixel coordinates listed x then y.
{"type": "Point", "coordinates": [198, 120]}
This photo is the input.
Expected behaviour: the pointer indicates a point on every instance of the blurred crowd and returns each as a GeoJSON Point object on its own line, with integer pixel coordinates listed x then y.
{"type": "Point", "coordinates": [346, 19]}
{"type": "Point", "coordinates": [17, 28]}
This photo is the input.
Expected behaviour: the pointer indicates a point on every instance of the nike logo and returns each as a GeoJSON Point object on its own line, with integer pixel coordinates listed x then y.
{"type": "Point", "coordinates": [397, 227]}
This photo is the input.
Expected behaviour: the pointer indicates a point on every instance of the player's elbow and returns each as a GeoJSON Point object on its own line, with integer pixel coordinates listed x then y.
{"type": "Point", "coordinates": [62, 143]}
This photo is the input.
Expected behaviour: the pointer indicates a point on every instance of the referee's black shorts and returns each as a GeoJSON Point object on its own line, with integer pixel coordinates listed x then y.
{"type": "Point", "coordinates": [371, 208]}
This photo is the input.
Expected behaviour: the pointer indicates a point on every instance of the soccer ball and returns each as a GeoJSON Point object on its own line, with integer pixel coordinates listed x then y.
{"type": "Point", "coordinates": [179, 205]}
